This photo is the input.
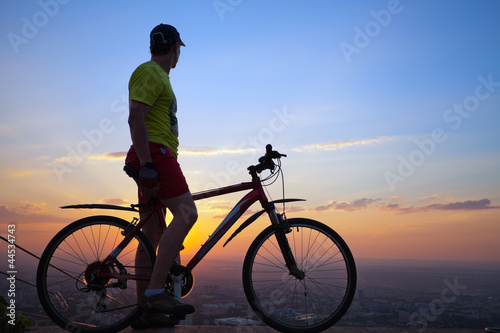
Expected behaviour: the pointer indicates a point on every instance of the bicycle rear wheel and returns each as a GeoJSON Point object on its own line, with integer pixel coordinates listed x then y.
{"type": "Point", "coordinates": [70, 292]}
{"type": "Point", "coordinates": [289, 304]}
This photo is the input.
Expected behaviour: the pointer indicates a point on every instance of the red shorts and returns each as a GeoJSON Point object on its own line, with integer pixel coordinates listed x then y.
{"type": "Point", "coordinates": [172, 181]}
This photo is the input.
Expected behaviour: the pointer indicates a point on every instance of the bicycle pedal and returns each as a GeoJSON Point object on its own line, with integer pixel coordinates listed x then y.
{"type": "Point", "coordinates": [177, 269]}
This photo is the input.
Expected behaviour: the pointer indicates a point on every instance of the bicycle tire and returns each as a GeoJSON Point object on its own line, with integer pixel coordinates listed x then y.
{"type": "Point", "coordinates": [68, 298]}
{"type": "Point", "coordinates": [288, 304]}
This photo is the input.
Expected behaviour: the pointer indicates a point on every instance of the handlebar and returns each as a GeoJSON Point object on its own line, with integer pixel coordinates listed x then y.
{"type": "Point", "coordinates": [266, 161]}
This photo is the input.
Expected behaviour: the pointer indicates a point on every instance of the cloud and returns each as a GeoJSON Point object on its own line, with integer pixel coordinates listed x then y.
{"type": "Point", "coordinates": [465, 205]}
{"type": "Point", "coordinates": [335, 145]}
{"type": "Point", "coordinates": [469, 205]}
{"type": "Point", "coordinates": [23, 209]}
{"type": "Point", "coordinates": [213, 151]}
{"type": "Point", "coordinates": [21, 174]}
{"type": "Point", "coordinates": [390, 205]}
{"type": "Point", "coordinates": [210, 151]}
{"type": "Point", "coordinates": [183, 150]}
{"type": "Point", "coordinates": [295, 209]}
{"type": "Point", "coordinates": [7, 214]}
{"type": "Point", "coordinates": [431, 197]}
{"type": "Point", "coordinates": [77, 159]}
{"type": "Point", "coordinates": [73, 160]}
{"type": "Point", "coordinates": [347, 206]}
{"type": "Point", "coordinates": [31, 208]}
{"type": "Point", "coordinates": [106, 157]}
{"type": "Point", "coordinates": [109, 156]}
{"type": "Point", "coordinates": [118, 202]}
{"type": "Point", "coordinates": [28, 213]}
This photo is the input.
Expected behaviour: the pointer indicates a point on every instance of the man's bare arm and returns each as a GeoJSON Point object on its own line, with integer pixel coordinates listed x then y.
{"type": "Point", "coordinates": [138, 132]}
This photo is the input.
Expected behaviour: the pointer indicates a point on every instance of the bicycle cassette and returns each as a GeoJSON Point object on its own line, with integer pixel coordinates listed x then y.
{"type": "Point", "coordinates": [187, 279]}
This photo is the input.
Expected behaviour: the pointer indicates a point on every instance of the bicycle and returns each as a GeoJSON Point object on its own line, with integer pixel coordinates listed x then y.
{"type": "Point", "coordinates": [298, 274]}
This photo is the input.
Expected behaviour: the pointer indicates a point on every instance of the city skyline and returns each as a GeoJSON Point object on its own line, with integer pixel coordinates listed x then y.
{"type": "Point", "coordinates": [389, 294]}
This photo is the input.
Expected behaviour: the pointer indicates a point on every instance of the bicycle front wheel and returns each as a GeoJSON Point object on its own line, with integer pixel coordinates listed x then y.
{"type": "Point", "coordinates": [289, 304]}
{"type": "Point", "coordinates": [69, 289]}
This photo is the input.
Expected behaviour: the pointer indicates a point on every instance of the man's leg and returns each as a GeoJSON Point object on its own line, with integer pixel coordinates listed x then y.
{"type": "Point", "coordinates": [153, 231]}
{"type": "Point", "coordinates": [185, 215]}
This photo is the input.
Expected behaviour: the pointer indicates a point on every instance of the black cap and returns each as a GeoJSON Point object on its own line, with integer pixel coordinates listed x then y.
{"type": "Point", "coordinates": [164, 34]}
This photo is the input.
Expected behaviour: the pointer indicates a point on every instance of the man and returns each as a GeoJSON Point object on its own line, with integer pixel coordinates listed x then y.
{"type": "Point", "coordinates": [154, 132]}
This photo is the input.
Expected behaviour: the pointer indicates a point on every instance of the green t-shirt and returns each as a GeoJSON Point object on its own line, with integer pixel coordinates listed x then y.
{"type": "Point", "coordinates": [150, 84]}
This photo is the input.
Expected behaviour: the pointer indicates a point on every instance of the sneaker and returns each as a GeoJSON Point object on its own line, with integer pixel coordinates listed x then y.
{"type": "Point", "coordinates": [154, 320]}
{"type": "Point", "coordinates": [164, 303]}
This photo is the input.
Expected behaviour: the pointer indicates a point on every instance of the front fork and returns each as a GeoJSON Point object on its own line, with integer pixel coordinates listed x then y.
{"type": "Point", "coordinates": [282, 228]}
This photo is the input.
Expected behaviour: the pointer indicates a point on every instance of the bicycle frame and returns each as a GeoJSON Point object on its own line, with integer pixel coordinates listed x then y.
{"type": "Point", "coordinates": [256, 194]}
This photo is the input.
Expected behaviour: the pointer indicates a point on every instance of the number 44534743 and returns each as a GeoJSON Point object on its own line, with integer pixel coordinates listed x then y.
{"type": "Point", "coordinates": [11, 248]}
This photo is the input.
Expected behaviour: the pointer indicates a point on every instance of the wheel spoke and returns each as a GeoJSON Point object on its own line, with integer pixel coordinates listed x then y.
{"type": "Point", "coordinates": [71, 292]}
{"type": "Point", "coordinates": [313, 303]}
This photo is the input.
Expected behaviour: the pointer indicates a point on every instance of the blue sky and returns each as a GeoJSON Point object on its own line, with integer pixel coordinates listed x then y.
{"type": "Point", "coordinates": [253, 72]}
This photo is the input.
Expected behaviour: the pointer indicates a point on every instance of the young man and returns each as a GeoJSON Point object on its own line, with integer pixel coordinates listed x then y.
{"type": "Point", "coordinates": [154, 132]}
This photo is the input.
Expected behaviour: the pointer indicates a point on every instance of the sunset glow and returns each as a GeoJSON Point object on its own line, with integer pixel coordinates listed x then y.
{"type": "Point", "coordinates": [391, 126]}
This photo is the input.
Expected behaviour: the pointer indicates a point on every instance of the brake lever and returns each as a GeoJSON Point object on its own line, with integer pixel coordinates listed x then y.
{"type": "Point", "coordinates": [281, 155]}
{"type": "Point", "coordinates": [272, 153]}
{"type": "Point", "coordinates": [275, 154]}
